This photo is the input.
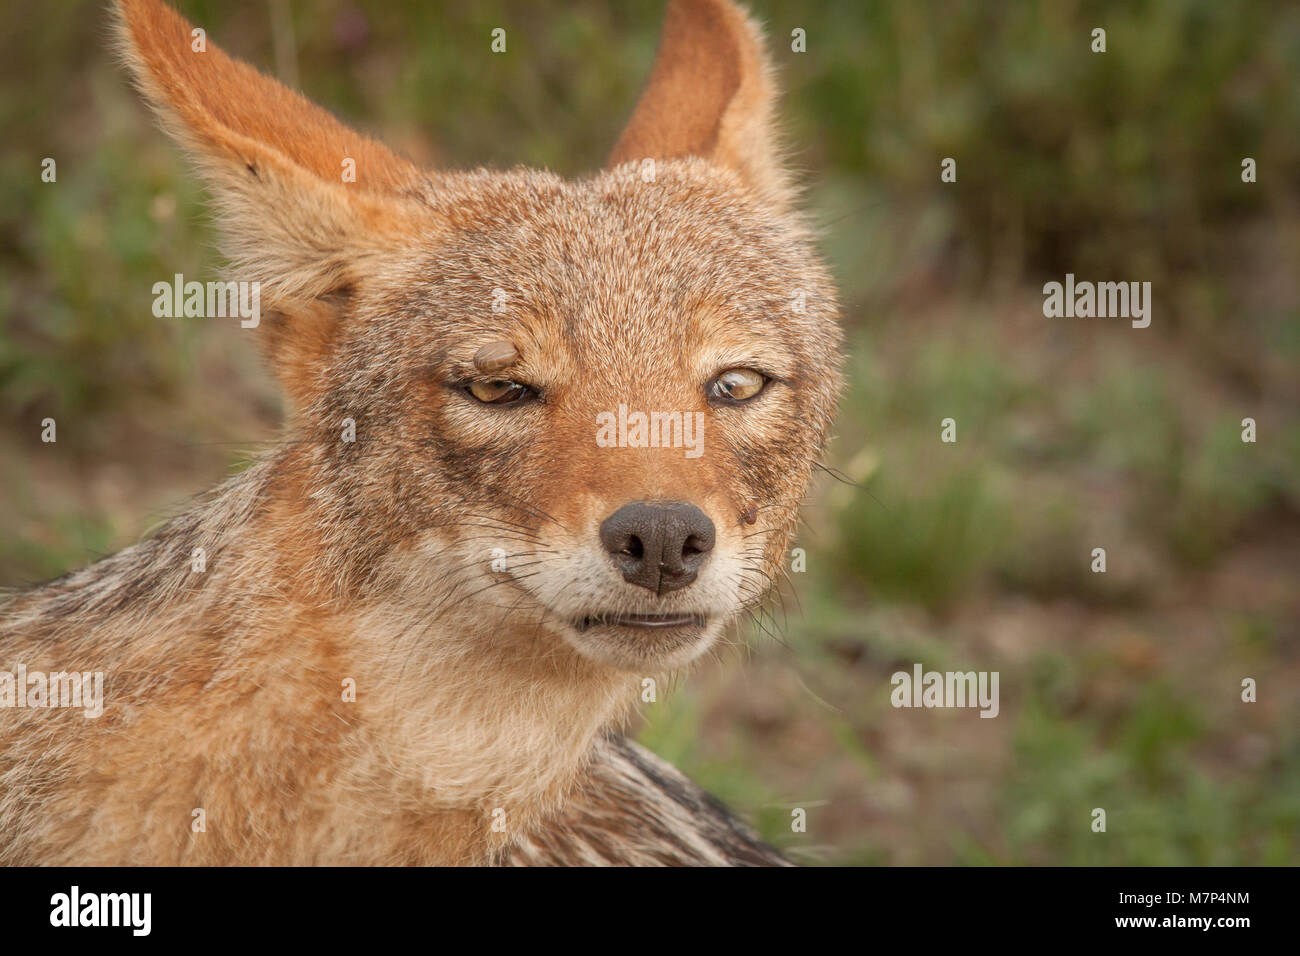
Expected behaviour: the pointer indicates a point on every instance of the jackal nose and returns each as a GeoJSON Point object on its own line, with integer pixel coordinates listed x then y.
{"type": "Point", "coordinates": [658, 545]}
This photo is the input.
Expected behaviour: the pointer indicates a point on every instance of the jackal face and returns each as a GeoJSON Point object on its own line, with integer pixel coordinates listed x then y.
{"type": "Point", "coordinates": [588, 407]}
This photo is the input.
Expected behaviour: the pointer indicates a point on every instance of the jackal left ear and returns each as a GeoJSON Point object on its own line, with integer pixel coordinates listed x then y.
{"type": "Point", "coordinates": [306, 206]}
{"type": "Point", "coordinates": [711, 94]}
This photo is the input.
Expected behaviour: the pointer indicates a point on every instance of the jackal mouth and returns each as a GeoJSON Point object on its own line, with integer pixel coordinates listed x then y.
{"type": "Point", "coordinates": [647, 621]}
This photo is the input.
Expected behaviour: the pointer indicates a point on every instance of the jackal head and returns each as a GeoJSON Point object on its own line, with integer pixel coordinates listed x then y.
{"type": "Point", "coordinates": [590, 407]}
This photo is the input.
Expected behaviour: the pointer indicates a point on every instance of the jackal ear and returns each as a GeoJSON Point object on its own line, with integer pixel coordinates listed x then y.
{"type": "Point", "coordinates": [305, 205]}
{"type": "Point", "coordinates": [711, 94]}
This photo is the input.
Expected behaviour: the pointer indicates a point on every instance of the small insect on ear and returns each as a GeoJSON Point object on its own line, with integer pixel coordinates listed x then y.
{"type": "Point", "coordinates": [711, 94]}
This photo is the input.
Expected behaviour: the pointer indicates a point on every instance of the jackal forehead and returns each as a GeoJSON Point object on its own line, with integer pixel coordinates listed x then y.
{"type": "Point", "coordinates": [617, 270]}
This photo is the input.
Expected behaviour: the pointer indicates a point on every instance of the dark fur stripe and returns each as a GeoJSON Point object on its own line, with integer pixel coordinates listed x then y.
{"type": "Point", "coordinates": [634, 809]}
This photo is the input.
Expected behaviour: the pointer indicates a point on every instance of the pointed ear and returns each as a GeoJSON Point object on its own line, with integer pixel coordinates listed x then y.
{"type": "Point", "coordinates": [711, 94]}
{"type": "Point", "coordinates": [276, 162]}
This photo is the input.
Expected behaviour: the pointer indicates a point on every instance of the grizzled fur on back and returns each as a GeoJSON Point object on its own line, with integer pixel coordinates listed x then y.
{"type": "Point", "coordinates": [446, 557]}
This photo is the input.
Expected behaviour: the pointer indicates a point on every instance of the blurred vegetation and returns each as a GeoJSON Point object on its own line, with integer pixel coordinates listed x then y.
{"type": "Point", "coordinates": [1120, 690]}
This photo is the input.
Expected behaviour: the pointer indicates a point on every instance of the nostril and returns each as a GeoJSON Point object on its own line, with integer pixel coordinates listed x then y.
{"type": "Point", "coordinates": [634, 547]}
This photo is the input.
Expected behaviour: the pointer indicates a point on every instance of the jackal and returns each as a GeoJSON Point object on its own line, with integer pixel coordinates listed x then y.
{"type": "Point", "coordinates": [411, 633]}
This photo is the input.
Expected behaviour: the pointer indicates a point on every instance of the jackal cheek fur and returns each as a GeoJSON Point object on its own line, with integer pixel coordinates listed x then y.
{"type": "Point", "coordinates": [492, 575]}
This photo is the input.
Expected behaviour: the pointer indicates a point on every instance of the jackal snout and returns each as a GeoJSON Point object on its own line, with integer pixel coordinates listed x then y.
{"type": "Point", "coordinates": [658, 545]}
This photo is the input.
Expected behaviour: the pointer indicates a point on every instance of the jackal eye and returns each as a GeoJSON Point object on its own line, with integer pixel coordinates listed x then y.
{"type": "Point", "coordinates": [736, 385]}
{"type": "Point", "coordinates": [500, 392]}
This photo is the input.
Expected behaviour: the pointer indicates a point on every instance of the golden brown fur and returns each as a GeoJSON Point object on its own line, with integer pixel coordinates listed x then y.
{"type": "Point", "coordinates": [479, 708]}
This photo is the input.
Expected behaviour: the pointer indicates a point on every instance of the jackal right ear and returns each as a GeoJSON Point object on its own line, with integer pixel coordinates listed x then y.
{"type": "Point", "coordinates": [711, 94]}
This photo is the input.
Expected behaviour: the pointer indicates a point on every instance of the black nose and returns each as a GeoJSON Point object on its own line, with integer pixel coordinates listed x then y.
{"type": "Point", "coordinates": [658, 545]}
